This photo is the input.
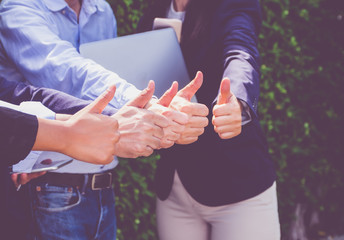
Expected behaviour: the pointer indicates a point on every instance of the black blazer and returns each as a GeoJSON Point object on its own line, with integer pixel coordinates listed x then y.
{"type": "Point", "coordinates": [217, 172]}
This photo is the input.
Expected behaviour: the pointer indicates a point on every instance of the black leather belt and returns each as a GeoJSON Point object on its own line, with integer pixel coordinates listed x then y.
{"type": "Point", "coordinates": [94, 181]}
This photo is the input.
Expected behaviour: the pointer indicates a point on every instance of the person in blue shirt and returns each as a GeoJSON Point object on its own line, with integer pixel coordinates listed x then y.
{"type": "Point", "coordinates": [40, 42]}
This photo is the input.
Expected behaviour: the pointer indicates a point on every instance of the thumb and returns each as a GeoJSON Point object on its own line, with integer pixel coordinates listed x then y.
{"type": "Point", "coordinates": [166, 99]}
{"type": "Point", "coordinates": [189, 90]}
{"type": "Point", "coordinates": [225, 91]}
{"type": "Point", "coordinates": [144, 97]}
{"type": "Point", "coordinates": [98, 105]}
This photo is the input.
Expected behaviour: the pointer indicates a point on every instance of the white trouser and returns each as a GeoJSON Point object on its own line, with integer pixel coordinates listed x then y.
{"type": "Point", "coordinates": [180, 217]}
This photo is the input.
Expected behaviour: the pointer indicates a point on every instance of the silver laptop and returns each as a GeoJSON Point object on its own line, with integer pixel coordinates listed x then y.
{"type": "Point", "coordinates": [138, 58]}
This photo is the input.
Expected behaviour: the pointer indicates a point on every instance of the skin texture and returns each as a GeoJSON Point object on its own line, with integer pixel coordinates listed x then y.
{"type": "Point", "coordinates": [87, 135]}
{"type": "Point", "coordinates": [197, 112]}
{"type": "Point", "coordinates": [141, 130]}
{"type": "Point", "coordinates": [227, 112]}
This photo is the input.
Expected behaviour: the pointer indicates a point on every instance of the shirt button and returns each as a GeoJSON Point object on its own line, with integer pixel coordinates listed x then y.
{"type": "Point", "coordinates": [63, 12]}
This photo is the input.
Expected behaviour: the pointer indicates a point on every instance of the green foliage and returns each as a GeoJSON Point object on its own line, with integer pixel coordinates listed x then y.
{"type": "Point", "coordinates": [135, 198]}
{"type": "Point", "coordinates": [302, 55]}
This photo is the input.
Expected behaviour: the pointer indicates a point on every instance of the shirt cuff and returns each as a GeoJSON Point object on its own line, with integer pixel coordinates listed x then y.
{"type": "Point", "coordinates": [246, 116]}
{"type": "Point", "coordinates": [38, 109]}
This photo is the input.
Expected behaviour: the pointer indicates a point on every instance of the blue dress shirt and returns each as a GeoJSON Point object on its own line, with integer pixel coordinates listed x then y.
{"type": "Point", "coordinates": [40, 42]}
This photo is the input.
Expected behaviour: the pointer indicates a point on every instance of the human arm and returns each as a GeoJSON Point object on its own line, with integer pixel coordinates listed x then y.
{"type": "Point", "coordinates": [239, 27]}
{"type": "Point", "coordinates": [57, 101]}
{"type": "Point", "coordinates": [18, 134]}
{"type": "Point", "coordinates": [32, 45]}
{"type": "Point", "coordinates": [141, 130]}
{"type": "Point", "coordinates": [196, 112]}
{"type": "Point", "coordinates": [87, 136]}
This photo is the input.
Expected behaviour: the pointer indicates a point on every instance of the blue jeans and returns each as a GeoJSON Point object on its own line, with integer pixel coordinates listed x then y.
{"type": "Point", "coordinates": [66, 213]}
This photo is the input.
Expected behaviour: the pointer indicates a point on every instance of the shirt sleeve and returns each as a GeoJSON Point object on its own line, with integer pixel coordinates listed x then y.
{"type": "Point", "coordinates": [45, 60]}
{"type": "Point", "coordinates": [18, 134]}
{"type": "Point", "coordinates": [241, 20]}
{"type": "Point", "coordinates": [57, 101]}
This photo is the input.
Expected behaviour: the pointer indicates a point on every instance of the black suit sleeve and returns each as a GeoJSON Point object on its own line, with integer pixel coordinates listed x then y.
{"type": "Point", "coordinates": [239, 22]}
{"type": "Point", "coordinates": [18, 133]}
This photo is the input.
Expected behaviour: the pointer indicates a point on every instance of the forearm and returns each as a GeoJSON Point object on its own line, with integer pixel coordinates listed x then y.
{"type": "Point", "coordinates": [52, 135]}
{"type": "Point", "coordinates": [44, 51]}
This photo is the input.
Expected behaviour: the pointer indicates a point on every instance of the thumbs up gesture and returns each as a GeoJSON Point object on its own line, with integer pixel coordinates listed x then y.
{"type": "Point", "coordinates": [227, 112]}
{"type": "Point", "coordinates": [196, 112]}
{"type": "Point", "coordinates": [141, 130]}
{"type": "Point", "coordinates": [88, 135]}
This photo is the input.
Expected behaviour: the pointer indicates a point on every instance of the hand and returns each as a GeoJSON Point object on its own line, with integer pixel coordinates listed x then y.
{"type": "Point", "coordinates": [92, 137]}
{"type": "Point", "coordinates": [176, 119]}
{"type": "Point", "coordinates": [141, 130]}
{"type": "Point", "coordinates": [227, 113]}
{"type": "Point", "coordinates": [197, 113]}
{"type": "Point", "coordinates": [23, 178]}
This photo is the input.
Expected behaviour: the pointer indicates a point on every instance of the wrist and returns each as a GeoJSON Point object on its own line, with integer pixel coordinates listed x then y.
{"type": "Point", "coordinates": [52, 135]}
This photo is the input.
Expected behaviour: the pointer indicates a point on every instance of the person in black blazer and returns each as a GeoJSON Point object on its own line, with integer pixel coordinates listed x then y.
{"type": "Point", "coordinates": [223, 185]}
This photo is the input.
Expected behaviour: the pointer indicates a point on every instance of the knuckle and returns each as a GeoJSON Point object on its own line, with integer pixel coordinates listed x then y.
{"type": "Point", "coordinates": [185, 109]}
{"type": "Point", "coordinates": [139, 149]}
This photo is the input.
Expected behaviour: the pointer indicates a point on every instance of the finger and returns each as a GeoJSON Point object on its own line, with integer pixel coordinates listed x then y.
{"type": "Point", "coordinates": [171, 134]}
{"type": "Point", "coordinates": [24, 178]}
{"type": "Point", "coordinates": [227, 129]}
{"type": "Point", "coordinates": [228, 135]}
{"type": "Point", "coordinates": [14, 178]}
{"type": "Point", "coordinates": [152, 143]}
{"type": "Point", "coordinates": [222, 110]}
{"type": "Point", "coordinates": [178, 117]}
{"type": "Point", "coordinates": [175, 128]}
{"type": "Point", "coordinates": [193, 132]}
{"type": "Point", "coordinates": [189, 90]}
{"type": "Point", "coordinates": [166, 143]}
{"type": "Point", "coordinates": [144, 97]}
{"type": "Point", "coordinates": [227, 120]}
{"type": "Point", "coordinates": [159, 120]}
{"type": "Point", "coordinates": [187, 140]}
{"type": "Point", "coordinates": [196, 121]}
{"type": "Point", "coordinates": [98, 105]}
{"type": "Point", "coordinates": [157, 131]}
{"type": "Point", "coordinates": [166, 99]}
{"type": "Point", "coordinates": [225, 92]}
{"type": "Point", "coordinates": [196, 109]}
{"type": "Point", "coordinates": [148, 151]}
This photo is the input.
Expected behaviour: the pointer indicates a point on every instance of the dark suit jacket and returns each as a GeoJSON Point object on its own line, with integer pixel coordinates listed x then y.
{"type": "Point", "coordinates": [214, 171]}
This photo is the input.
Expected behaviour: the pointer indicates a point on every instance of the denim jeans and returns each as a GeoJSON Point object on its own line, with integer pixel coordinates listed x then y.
{"type": "Point", "coordinates": [66, 213]}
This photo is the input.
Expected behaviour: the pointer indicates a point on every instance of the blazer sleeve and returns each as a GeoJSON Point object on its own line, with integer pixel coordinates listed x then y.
{"type": "Point", "coordinates": [56, 101]}
{"type": "Point", "coordinates": [239, 22]}
{"type": "Point", "coordinates": [17, 135]}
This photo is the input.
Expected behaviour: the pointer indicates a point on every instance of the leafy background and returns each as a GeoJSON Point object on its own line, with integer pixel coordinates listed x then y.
{"type": "Point", "coordinates": [301, 111]}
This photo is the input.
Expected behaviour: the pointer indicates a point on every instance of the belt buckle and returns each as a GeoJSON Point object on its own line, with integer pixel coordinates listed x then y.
{"type": "Point", "coordinates": [101, 175]}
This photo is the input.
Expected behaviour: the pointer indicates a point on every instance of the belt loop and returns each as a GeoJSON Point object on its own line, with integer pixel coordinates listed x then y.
{"type": "Point", "coordinates": [84, 185]}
